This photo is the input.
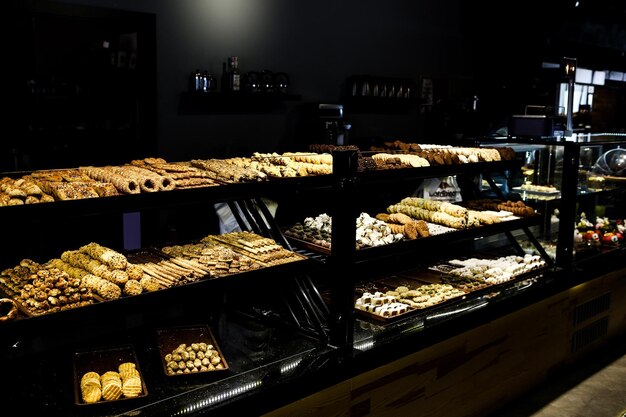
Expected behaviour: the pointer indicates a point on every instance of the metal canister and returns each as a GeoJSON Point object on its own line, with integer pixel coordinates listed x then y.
{"type": "Point", "coordinates": [196, 83]}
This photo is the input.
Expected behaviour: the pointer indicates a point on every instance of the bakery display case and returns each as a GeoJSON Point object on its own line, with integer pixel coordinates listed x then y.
{"type": "Point", "coordinates": [353, 269]}
{"type": "Point", "coordinates": [217, 286]}
{"type": "Point", "coordinates": [403, 289]}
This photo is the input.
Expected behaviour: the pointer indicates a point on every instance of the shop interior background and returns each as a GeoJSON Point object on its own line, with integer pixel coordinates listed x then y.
{"type": "Point", "coordinates": [485, 64]}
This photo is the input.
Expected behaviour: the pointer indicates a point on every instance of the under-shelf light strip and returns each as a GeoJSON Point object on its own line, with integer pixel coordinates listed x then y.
{"type": "Point", "coordinates": [199, 405]}
{"type": "Point", "coordinates": [290, 366]}
{"type": "Point", "coordinates": [364, 345]}
{"type": "Point", "coordinates": [586, 137]}
{"type": "Point", "coordinates": [457, 311]}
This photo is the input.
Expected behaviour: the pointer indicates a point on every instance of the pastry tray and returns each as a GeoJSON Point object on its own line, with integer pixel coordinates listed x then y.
{"type": "Point", "coordinates": [423, 276]}
{"type": "Point", "coordinates": [101, 361]}
{"type": "Point", "coordinates": [25, 311]}
{"type": "Point", "coordinates": [168, 339]}
{"type": "Point", "coordinates": [390, 283]}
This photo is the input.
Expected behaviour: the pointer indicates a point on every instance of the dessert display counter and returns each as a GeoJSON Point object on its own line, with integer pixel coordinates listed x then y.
{"type": "Point", "coordinates": [386, 288]}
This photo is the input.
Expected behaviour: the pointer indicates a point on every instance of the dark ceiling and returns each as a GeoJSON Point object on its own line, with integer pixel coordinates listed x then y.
{"type": "Point", "coordinates": [593, 31]}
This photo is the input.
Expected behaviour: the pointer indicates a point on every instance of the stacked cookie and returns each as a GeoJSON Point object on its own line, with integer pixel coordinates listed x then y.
{"type": "Point", "coordinates": [111, 385]}
{"type": "Point", "coordinates": [91, 387]}
{"type": "Point", "coordinates": [131, 380]}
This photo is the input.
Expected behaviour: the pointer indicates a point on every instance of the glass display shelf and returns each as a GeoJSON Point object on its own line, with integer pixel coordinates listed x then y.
{"type": "Point", "coordinates": [377, 334]}
{"type": "Point", "coordinates": [259, 357]}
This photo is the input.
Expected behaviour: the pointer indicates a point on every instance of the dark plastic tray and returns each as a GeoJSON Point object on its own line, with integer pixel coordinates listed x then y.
{"type": "Point", "coordinates": [101, 361]}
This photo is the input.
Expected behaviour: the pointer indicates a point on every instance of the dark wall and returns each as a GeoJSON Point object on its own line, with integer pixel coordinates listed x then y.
{"type": "Point", "coordinates": [73, 85]}
{"type": "Point", "coordinates": [468, 49]}
{"type": "Point", "coordinates": [319, 44]}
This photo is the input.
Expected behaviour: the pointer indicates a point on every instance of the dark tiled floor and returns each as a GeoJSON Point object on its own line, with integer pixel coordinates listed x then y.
{"type": "Point", "coordinates": [594, 387]}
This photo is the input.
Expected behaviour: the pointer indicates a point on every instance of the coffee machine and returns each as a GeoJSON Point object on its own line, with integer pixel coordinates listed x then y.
{"type": "Point", "coordinates": [334, 127]}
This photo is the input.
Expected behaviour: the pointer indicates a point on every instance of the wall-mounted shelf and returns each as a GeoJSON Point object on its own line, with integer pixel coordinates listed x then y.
{"type": "Point", "coordinates": [382, 105]}
{"type": "Point", "coordinates": [234, 102]}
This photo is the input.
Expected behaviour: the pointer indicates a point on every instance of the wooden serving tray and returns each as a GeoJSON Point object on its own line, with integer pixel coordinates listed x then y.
{"type": "Point", "coordinates": [170, 338]}
{"type": "Point", "coordinates": [101, 361]}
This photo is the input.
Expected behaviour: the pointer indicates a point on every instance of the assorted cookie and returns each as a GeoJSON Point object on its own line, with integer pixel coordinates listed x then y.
{"type": "Point", "coordinates": [125, 382]}
{"type": "Point", "coordinates": [193, 358]}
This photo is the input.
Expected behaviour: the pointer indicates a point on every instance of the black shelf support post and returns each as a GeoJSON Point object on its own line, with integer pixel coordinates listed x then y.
{"type": "Point", "coordinates": [567, 209]}
{"type": "Point", "coordinates": [343, 250]}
